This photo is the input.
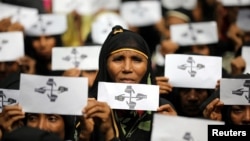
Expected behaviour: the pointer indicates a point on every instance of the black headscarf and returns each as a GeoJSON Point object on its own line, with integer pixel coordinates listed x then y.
{"type": "Point", "coordinates": [30, 134]}
{"type": "Point", "coordinates": [117, 39]}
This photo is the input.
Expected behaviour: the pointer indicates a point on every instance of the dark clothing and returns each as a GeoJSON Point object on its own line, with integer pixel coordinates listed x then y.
{"type": "Point", "coordinates": [38, 4]}
{"type": "Point", "coordinates": [30, 134]}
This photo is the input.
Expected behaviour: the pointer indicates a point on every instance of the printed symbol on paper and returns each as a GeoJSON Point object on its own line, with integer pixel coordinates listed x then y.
{"type": "Point", "coordinates": [192, 65]}
{"type": "Point", "coordinates": [188, 137]}
{"type": "Point", "coordinates": [18, 15]}
{"type": "Point", "coordinates": [129, 90]}
{"type": "Point", "coordinates": [140, 10]}
{"type": "Point", "coordinates": [75, 57]}
{"type": "Point", "coordinates": [241, 91]}
{"type": "Point", "coordinates": [52, 93]}
{"type": "Point", "coordinates": [192, 33]}
{"type": "Point", "coordinates": [41, 24]}
{"type": "Point", "coordinates": [5, 100]}
{"type": "Point", "coordinates": [3, 42]}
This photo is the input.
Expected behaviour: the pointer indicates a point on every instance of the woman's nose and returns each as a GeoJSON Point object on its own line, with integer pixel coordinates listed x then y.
{"type": "Point", "coordinates": [127, 66]}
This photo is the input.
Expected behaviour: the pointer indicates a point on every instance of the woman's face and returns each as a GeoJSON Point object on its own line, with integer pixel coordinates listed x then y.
{"type": "Point", "coordinates": [240, 114]}
{"type": "Point", "coordinates": [191, 99]}
{"type": "Point", "coordinates": [8, 67]}
{"type": "Point", "coordinates": [127, 66]}
{"type": "Point", "coordinates": [48, 122]}
{"type": "Point", "coordinates": [43, 45]}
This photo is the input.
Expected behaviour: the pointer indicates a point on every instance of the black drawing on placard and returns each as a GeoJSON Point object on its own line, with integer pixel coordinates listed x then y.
{"type": "Point", "coordinates": [192, 65]}
{"type": "Point", "coordinates": [5, 100]}
{"type": "Point", "coordinates": [75, 57]}
{"type": "Point", "coordinates": [241, 91]}
{"type": "Point", "coordinates": [52, 92]}
{"type": "Point", "coordinates": [129, 90]}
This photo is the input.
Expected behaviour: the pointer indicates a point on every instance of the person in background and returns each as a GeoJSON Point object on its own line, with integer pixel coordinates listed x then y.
{"type": "Point", "coordinates": [187, 101]}
{"type": "Point", "coordinates": [214, 109]}
{"type": "Point", "coordinates": [42, 37]}
{"type": "Point", "coordinates": [67, 127]}
{"type": "Point", "coordinates": [24, 64]}
{"type": "Point", "coordinates": [167, 46]}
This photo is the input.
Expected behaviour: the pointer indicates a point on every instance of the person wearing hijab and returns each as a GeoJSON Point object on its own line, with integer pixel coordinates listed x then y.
{"type": "Point", "coordinates": [125, 58]}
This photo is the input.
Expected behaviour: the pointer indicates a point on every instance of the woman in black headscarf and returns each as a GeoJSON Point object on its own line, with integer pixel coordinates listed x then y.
{"type": "Point", "coordinates": [125, 58]}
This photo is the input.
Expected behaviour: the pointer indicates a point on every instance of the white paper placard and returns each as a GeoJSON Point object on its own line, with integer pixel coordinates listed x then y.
{"type": "Point", "coordinates": [53, 94]}
{"type": "Point", "coordinates": [199, 33]}
{"type": "Point", "coordinates": [48, 24]}
{"type": "Point", "coordinates": [235, 91]}
{"type": "Point", "coordinates": [8, 97]}
{"type": "Point", "coordinates": [84, 7]}
{"type": "Point", "coordinates": [82, 57]}
{"type": "Point", "coordinates": [235, 2]}
{"type": "Point", "coordinates": [243, 19]}
{"type": "Point", "coordinates": [141, 13]}
{"type": "Point", "coordinates": [11, 46]}
{"type": "Point", "coordinates": [245, 53]}
{"type": "Point", "coordinates": [178, 128]}
{"type": "Point", "coordinates": [103, 24]}
{"type": "Point", "coordinates": [174, 4]}
{"type": "Point", "coordinates": [24, 15]}
{"type": "Point", "coordinates": [129, 96]}
{"type": "Point", "coordinates": [193, 71]}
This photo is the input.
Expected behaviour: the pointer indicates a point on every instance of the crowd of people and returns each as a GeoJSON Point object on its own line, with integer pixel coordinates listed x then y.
{"type": "Point", "coordinates": [128, 55]}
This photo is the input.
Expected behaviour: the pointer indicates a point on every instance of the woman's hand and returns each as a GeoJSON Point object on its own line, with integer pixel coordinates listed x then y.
{"type": "Point", "coordinates": [165, 86]}
{"type": "Point", "coordinates": [27, 64]}
{"type": "Point", "coordinates": [100, 113]}
{"type": "Point", "coordinates": [238, 65]}
{"type": "Point", "coordinates": [213, 110]}
{"type": "Point", "coordinates": [167, 109]}
{"type": "Point", "coordinates": [10, 117]}
{"type": "Point", "coordinates": [74, 72]}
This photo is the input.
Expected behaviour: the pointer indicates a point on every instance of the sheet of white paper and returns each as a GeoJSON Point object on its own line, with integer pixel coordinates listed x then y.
{"type": "Point", "coordinates": [141, 13]}
{"type": "Point", "coordinates": [246, 56]}
{"type": "Point", "coordinates": [48, 24]}
{"type": "Point", "coordinates": [8, 97]}
{"type": "Point", "coordinates": [103, 24]}
{"type": "Point", "coordinates": [129, 96]}
{"type": "Point", "coordinates": [193, 71]}
{"type": "Point", "coordinates": [53, 94]}
{"type": "Point", "coordinates": [199, 33]}
{"type": "Point", "coordinates": [82, 57]}
{"type": "Point", "coordinates": [24, 15]}
{"type": "Point", "coordinates": [174, 4]}
{"type": "Point", "coordinates": [235, 2]}
{"type": "Point", "coordinates": [178, 128]}
{"type": "Point", "coordinates": [11, 46]}
{"type": "Point", "coordinates": [243, 19]}
{"type": "Point", "coordinates": [235, 91]}
{"type": "Point", "coordinates": [82, 7]}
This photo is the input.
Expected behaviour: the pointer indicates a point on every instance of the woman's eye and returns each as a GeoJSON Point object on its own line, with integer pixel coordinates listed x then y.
{"type": "Point", "coordinates": [118, 58]}
{"type": "Point", "coordinates": [237, 109]}
{"type": "Point", "coordinates": [31, 117]}
{"type": "Point", "coordinates": [137, 59]}
{"type": "Point", "coordinates": [52, 118]}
